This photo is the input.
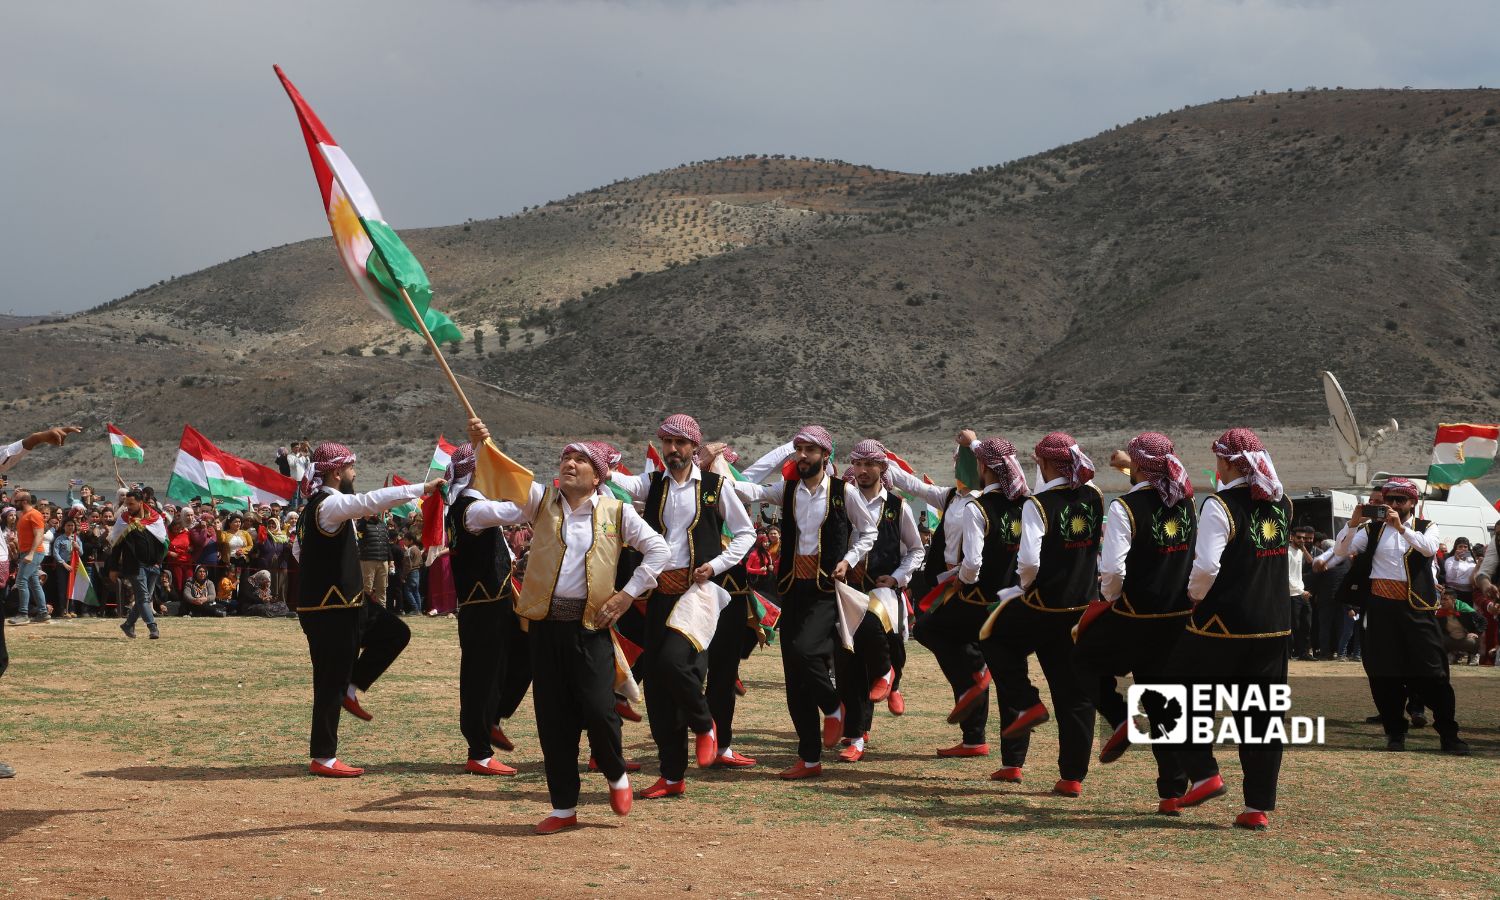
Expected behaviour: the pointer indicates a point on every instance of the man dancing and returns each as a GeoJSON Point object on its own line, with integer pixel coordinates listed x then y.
{"type": "Point", "coordinates": [570, 602]}
{"type": "Point", "coordinates": [1057, 569]}
{"type": "Point", "coordinates": [1237, 632]}
{"type": "Point", "coordinates": [691, 509]}
{"type": "Point", "coordinates": [823, 536]}
{"type": "Point", "coordinates": [1144, 566]}
{"type": "Point", "coordinates": [867, 674]}
{"type": "Point", "coordinates": [352, 639]}
{"type": "Point", "coordinates": [948, 636]}
{"type": "Point", "coordinates": [494, 668]}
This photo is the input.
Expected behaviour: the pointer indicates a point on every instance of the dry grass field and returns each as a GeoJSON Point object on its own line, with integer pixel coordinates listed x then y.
{"type": "Point", "coordinates": [176, 769]}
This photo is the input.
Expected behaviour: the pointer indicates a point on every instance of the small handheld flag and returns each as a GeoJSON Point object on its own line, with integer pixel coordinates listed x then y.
{"type": "Point", "coordinates": [123, 446]}
{"type": "Point", "coordinates": [1462, 453]}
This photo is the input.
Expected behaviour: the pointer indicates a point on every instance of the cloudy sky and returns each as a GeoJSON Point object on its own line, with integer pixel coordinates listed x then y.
{"type": "Point", "coordinates": [149, 139]}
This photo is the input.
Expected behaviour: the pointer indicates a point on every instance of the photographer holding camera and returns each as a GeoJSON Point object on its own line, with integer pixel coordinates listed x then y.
{"type": "Point", "coordinates": [1403, 645]}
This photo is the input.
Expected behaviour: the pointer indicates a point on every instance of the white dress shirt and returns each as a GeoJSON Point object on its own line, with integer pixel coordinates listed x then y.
{"type": "Point", "coordinates": [1208, 549]}
{"type": "Point", "coordinates": [578, 537]}
{"type": "Point", "coordinates": [1033, 528]}
{"type": "Point", "coordinates": [1116, 546]}
{"type": "Point", "coordinates": [933, 495]}
{"type": "Point", "coordinates": [1294, 557]}
{"type": "Point", "coordinates": [811, 508]}
{"type": "Point", "coordinates": [681, 508]}
{"type": "Point", "coordinates": [12, 454]}
{"type": "Point", "coordinates": [1390, 554]}
{"type": "Point", "coordinates": [338, 507]}
{"type": "Point", "coordinates": [911, 541]}
{"type": "Point", "coordinates": [1459, 572]}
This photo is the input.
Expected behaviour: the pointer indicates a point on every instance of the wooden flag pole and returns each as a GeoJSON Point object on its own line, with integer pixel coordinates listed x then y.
{"type": "Point", "coordinates": [438, 354]}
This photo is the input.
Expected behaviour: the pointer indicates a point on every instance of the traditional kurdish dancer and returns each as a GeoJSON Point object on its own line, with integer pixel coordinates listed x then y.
{"type": "Point", "coordinates": [1237, 632]}
{"type": "Point", "coordinates": [570, 603]}
{"type": "Point", "coordinates": [494, 670]}
{"type": "Point", "coordinates": [1144, 566]}
{"type": "Point", "coordinates": [737, 634]}
{"type": "Point", "coordinates": [1402, 642]}
{"type": "Point", "coordinates": [990, 541]}
{"type": "Point", "coordinates": [1057, 577]}
{"type": "Point", "coordinates": [823, 536]}
{"type": "Point", "coordinates": [352, 639]}
{"type": "Point", "coordinates": [11, 454]}
{"type": "Point", "coordinates": [955, 646]}
{"type": "Point", "coordinates": [690, 508]}
{"type": "Point", "coordinates": [867, 674]}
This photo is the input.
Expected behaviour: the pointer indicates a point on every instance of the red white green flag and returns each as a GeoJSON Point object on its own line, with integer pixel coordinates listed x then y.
{"type": "Point", "coordinates": [123, 446]}
{"type": "Point", "coordinates": [376, 259]}
{"type": "Point", "coordinates": [1462, 453]}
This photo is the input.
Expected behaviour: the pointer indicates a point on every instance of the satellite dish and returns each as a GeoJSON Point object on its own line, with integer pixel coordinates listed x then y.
{"type": "Point", "coordinates": [1354, 451]}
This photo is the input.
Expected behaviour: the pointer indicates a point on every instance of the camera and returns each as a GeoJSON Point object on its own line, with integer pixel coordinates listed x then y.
{"type": "Point", "coordinates": [1374, 511]}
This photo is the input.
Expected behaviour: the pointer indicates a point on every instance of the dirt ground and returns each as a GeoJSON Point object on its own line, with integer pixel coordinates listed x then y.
{"type": "Point", "coordinates": [176, 768]}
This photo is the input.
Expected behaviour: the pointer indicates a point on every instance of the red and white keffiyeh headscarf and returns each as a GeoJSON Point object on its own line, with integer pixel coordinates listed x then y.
{"type": "Point", "coordinates": [1061, 450]}
{"type": "Point", "coordinates": [326, 457]}
{"type": "Point", "coordinates": [1154, 459]}
{"type": "Point", "coordinates": [1405, 488]}
{"type": "Point", "coordinates": [999, 456]}
{"type": "Point", "coordinates": [460, 472]}
{"type": "Point", "coordinates": [816, 435]}
{"type": "Point", "coordinates": [680, 426]}
{"type": "Point", "coordinates": [598, 454]}
{"type": "Point", "coordinates": [1242, 448]}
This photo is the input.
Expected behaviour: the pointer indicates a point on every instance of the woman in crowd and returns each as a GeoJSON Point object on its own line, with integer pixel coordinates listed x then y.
{"type": "Point", "coordinates": [63, 546]}
{"type": "Point", "coordinates": [442, 597]}
{"type": "Point", "coordinates": [205, 541]}
{"type": "Point", "coordinates": [180, 551]}
{"type": "Point", "coordinates": [261, 602]}
{"type": "Point", "coordinates": [199, 596]}
{"type": "Point", "coordinates": [235, 544]}
{"type": "Point", "coordinates": [7, 551]}
{"type": "Point", "coordinates": [271, 553]}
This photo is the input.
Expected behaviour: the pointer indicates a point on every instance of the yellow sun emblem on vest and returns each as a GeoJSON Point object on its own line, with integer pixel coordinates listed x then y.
{"type": "Point", "coordinates": [1172, 527]}
{"type": "Point", "coordinates": [1268, 529]}
{"type": "Point", "coordinates": [1015, 529]}
{"type": "Point", "coordinates": [1078, 526]}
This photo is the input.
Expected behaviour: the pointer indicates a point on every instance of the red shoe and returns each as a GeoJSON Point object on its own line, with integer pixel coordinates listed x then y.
{"type": "Point", "coordinates": [896, 703]}
{"type": "Point", "coordinates": [1213, 787]}
{"type": "Point", "coordinates": [1028, 720]}
{"type": "Point", "coordinates": [554, 824]}
{"type": "Point", "coordinates": [1007, 774]}
{"type": "Point", "coordinates": [707, 745]}
{"type": "Point", "coordinates": [802, 770]}
{"type": "Point", "coordinates": [960, 749]}
{"type": "Point", "coordinates": [1066, 788]}
{"type": "Point", "coordinates": [739, 687]}
{"type": "Point", "coordinates": [630, 765]}
{"type": "Point", "coordinates": [1117, 744]}
{"type": "Point", "coordinates": [882, 687]}
{"type": "Point", "coordinates": [337, 770]}
{"type": "Point", "coordinates": [1252, 821]}
{"type": "Point", "coordinates": [733, 760]}
{"type": "Point", "coordinates": [627, 712]}
{"type": "Point", "coordinates": [851, 753]}
{"type": "Point", "coordinates": [620, 800]}
{"type": "Point", "coordinates": [662, 789]}
{"type": "Point", "coordinates": [352, 705]}
{"type": "Point", "coordinates": [833, 728]}
{"type": "Point", "coordinates": [498, 738]}
{"type": "Point", "coordinates": [1168, 807]}
{"type": "Point", "coordinates": [493, 767]}
{"type": "Point", "coordinates": [973, 695]}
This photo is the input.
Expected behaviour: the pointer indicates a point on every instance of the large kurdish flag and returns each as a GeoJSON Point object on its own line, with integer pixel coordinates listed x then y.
{"type": "Point", "coordinates": [203, 470]}
{"type": "Point", "coordinates": [374, 256]}
{"type": "Point", "coordinates": [1462, 453]}
{"type": "Point", "coordinates": [123, 446]}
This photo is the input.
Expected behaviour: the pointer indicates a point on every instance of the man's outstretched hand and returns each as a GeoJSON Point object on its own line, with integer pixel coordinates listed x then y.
{"type": "Point", "coordinates": [54, 436]}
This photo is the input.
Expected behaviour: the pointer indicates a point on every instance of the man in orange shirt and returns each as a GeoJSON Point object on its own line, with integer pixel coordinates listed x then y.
{"type": "Point", "coordinates": [31, 533]}
{"type": "Point", "coordinates": [9, 456]}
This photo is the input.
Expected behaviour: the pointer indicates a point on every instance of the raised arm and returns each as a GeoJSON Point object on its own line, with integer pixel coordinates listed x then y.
{"type": "Point", "coordinates": [483, 514]}
{"type": "Point", "coordinates": [338, 508]}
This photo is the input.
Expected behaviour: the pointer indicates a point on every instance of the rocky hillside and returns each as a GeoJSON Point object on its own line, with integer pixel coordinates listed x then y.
{"type": "Point", "coordinates": [1193, 268]}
